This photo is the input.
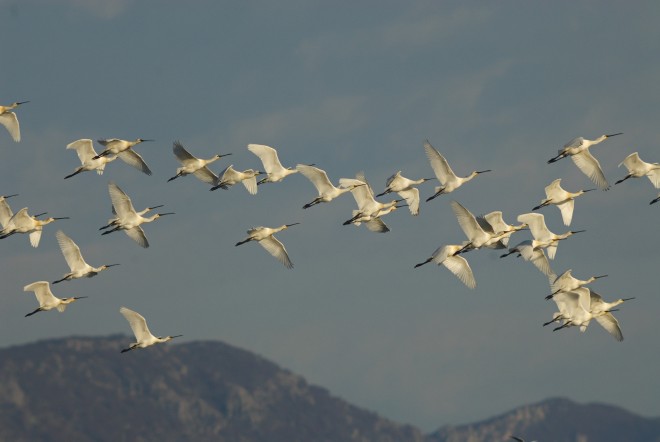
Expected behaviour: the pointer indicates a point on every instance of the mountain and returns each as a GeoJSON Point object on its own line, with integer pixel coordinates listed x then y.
{"type": "Point", "coordinates": [83, 389]}
{"type": "Point", "coordinates": [557, 420]}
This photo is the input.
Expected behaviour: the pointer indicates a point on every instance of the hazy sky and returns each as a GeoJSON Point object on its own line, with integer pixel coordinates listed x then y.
{"type": "Point", "coordinates": [350, 87]}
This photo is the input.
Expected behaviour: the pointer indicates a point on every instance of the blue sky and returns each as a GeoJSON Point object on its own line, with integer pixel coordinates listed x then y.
{"type": "Point", "coordinates": [349, 87]}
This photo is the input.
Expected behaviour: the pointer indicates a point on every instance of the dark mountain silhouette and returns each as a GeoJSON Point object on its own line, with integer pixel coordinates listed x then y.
{"type": "Point", "coordinates": [83, 389]}
{"type": "Point", "coordinates": [557, 420]}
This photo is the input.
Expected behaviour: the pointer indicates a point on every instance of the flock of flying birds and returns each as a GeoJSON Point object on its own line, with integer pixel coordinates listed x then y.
{"type": "Point", "coordinates": [577, 304]}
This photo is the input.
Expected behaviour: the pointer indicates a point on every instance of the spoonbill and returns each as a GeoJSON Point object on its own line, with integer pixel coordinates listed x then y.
{"type": "Point", "coordinates": [124, 150]}
{"type": "Point", "coordinates": [274, 170]}
{"type": "Point", "coordinates": [579, 313]}
{"type": "Point", "coordinates": [142, 334]}
{"type": "Point", "coordinates": [319, 178]}
{"type": "Point", "coordinates": [9, 121]}
{"type": "Point", "coordinates": [230, 176]}
{"type": "Point", "coordinates": [264, 235]}
{"type": "Point", "coordinates": [543, 237]}
{"type": "Point", "coordinates": [578, 150]}
{"type": "Point", "coordinates": [128, 219]}
{"type": "Point", "coordinates": [477, 236]}
{"type": "Point", "coordinates": [79, 268]}
{"type": "Point", "coordinates": [86, 154]}
{"type": "Point", "coordinates": [535, 254]}
{"type": "Point", "coordinates": [114, 222]}
{"type": "Point", "coordinates": [5, 211]}
{"type": "Point", "coordinates": [21, 222]}
{"type": "Point", "coordinates": [566, 282]}
{"type": "Point", "coordinates": [448, 179]}
{"type": "Point", "coordinates": [191, 164]}
{"type": "Point", "coordinates": [404, 187]}
{"type": "Point", "coordinates": [493, 224]}
{"type": "Point", "coordinates": [369, 210]}
{"type": "Point", "coordinates": [48, 301]}
{"type": "Point", "coordinates": [638, 168]}
{"type": "Point", "coordinates": [449, 257]}
{"type": "Point", "coordinates": [561, 198]}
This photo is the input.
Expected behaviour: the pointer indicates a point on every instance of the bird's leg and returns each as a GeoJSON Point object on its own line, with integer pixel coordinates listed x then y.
{"type": "Point", "coordinates": [110, 231]}
{"type": "Point", "coordinates": [567, 324]}
{"type": "Point", "coordinates": [74, 173]}
{"type": "Point", "coordinates": [32, 313]}
{"type": "Point", "coordinates": [102, 154]}
{"type": "Point", "coordinates": [243, 242]}
{"type": "Point", "coordinates": [384, 193]}
{"type": "Point", "coordinates": [132, 347]}
{"type": "Point", "coordinates": [174, 177]}
{"type": "Point", "coordinates": [623, 179]}
{"type": "Point", "coordinates": [438, 193]}
{"type": "Point", "coordinates": [312, 203]}
{"type": "Point", "coordinates": [425, 262]}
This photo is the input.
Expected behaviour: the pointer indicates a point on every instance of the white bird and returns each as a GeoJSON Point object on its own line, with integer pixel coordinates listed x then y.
{"type": "Point", "coordinates": [142, 334]}
{"type": "Point", "coordinates": [48, 301]}
{"type": "Point", "coordinates": [535, 254]}
{"type": "Point", "coordinates": [319, 178]}
{"type": "Point", "coordinates": [86, 154]}
{"type": "Point", "coordinates": [264, 235]}
{"type": "Point", "coordinates": [9, 121]}
{"type": "Point", "coordinates": [404, 187]}
{"type": "Point", "coordinates": [21, 222]}
{"type": "Point", "coordinates": [369, 210]}
{"type": "Point", "coordinates": [128, 219]}
{"type": "Point", "coordinates": [191, 164]}
{"type": "Point", "coordinates": [578, 150]}
{"type": "Point", "coordinates": [543, 237]}
{"type": "Point", "coordinates": [230, 176]}
{"type": "Point", "coordinates": [79, 268]}
{"type": "Point", "coordinates": [449, 257]}
{"type": "Point", "coordinates": [578, 312]}
{"type": "Point", "coordinates": [448, 179]}
{"type": "Point", "coordinates": [561, 198]}
{"type": "Point", "coordinates": [274, 170]}
{"type": "Point", "coordinates": [477, 236]}
{"type": "Point", "coordinates": [493, 224]}
{"type": "Point", "coordinates": [5, 211]}
{"type": "Point", "coordinates": [114, 222]}
{"type": "Point", "coordinates": [124, 150]}
{"type": "Point", "coordinates": [638, 168]}
{"type": "Point", "coordinates": [566, 282]}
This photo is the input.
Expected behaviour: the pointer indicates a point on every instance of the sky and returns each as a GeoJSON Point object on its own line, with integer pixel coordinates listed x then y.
{"type": "Point", "coordinates": [350, 87]}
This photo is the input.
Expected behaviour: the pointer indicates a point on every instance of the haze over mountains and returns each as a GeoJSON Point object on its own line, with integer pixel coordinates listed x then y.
{"type": "Point", "coordinates": [82, 389]}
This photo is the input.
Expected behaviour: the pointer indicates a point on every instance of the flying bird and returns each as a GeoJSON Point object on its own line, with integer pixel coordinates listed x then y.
{"type": "Point", "coordinates": [86, 154]}
{"type": "Point", "coordinates": [449, 257]}
{"type": "Point", "coordinates": [128, 219]}
{"type": "Point", "coordinates": [9, 121]}
{"type": "Point", "coordinates": [230, 176]}
{"type": "Point", "coordinates": [493, 224]}
{"type": "Point", "coordinates": [578, 150]}
{"type": "Point", "coordinates": [564, 200]}
{"type": "Point", "coordinates": [274, 170]}
{"type": "Point", "coordinates": [566, 282]}
{"type": "Point", "coordinates": [5, 211]}
{"type": "Point", "coordinates": [533, 253]}
{"type": "Point", "coordinates": [543, 237]}
{"type": "Point", "coordinates": [124, 150]}
{"type": "Point", "coordinates": [404, 187]}
{"type": "Point", "coordinates": [79, 268]}
{"type": "Point", "coordinates": [369, 210]}
{"type": "Point", "coordinates": [264, 235]}
{"type": "Point", "coordinates": [142, 334]}
{"type": "Point", "coordinates": [21, 222]}
{"type": "Point", "coordinates": [638, 168]}
{"type": "Point", "coordinates": [449, 181]}
{"type": "Point", "coordinates": [48, 301]}
{"type": "Point", "coordinates": [326, 190]}
{"type": "Point", "coordinates": [193, 165]}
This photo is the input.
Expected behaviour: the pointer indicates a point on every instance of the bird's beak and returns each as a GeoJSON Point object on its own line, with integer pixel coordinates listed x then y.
{"type": "Point", "coordinates": [577, 231]}
{"type": "Point", "coordinates": [40, 214]}
{"type": "Point", "coordinates": [628, 299]}
{"type": "Point", "coordinates": [167, 213]}
{"type": "Point", "coordinates": [142, 141]}
{"type": "Point", "coordinates": [587, 190]}
{"type": "Point", "coordinates": [62, 217]}
{"type": "Point", "coordinates": [484, 171]}
{"type": "Point", "coordinates": [155, 207]}
{"type": "Point", "coordinates": [22, 102]}
{"type": "Point", "coordinates": [80, 297]}
{"type": "Point", "coordinates": [294, 224]}
{"type": "Point", "coordinates": [9, 196]}
{"type": "Point", "coordinates": [176, 336]}
{"type": "Point", "coordinates": [614, 135]}
{"type": "Point", "coordinates": [111, 265]}
{"type": "Point", "coordinates": [223, 155]}
{"type": "Point", "coordinates": [600, 276]}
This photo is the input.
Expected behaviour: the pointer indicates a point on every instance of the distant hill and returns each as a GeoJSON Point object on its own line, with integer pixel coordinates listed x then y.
{"type": "Point", "coordinates": [83, 389]}
{"type": "Point", "coordinates": [557, 420]}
